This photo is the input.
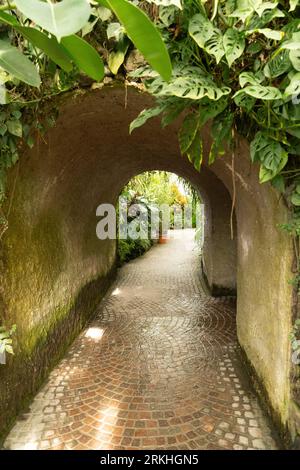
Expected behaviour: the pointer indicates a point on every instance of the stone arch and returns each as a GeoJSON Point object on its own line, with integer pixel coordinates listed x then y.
{"type": "Point", "coordinates": [219, 251]}
{"type": "Point", "coordinates": [54, 270]}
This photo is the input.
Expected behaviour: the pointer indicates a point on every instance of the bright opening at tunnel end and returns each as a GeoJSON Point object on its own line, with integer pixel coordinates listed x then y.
{"type": "Point", "coordinates": [141, 221]}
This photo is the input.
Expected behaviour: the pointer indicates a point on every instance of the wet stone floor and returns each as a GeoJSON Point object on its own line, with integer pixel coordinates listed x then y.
{"type": "Point", "coordinates": [158, 368]}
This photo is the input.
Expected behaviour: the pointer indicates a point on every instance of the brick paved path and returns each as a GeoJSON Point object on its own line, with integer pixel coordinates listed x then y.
{"type": "Point", "coordinates": [157, 368]}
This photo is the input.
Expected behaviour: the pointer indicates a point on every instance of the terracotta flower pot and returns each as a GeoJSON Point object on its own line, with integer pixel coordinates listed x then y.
{"type": "Point", "coordinates": [163, 239]}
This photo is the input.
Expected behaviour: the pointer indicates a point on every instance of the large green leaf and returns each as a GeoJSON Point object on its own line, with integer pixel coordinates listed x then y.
{"type": "Point", "coordinates": [292, 44]}
{"type": "Point", "coordinates": [200, 29]}
{"type": "Point", "coordinates": [257, 22]}
{"type": "Point", "coordinates": [265, 174]}
{"type": "Point", "coordinates": [295, 59]}
{"type": "Point", "coordinates": [167, 15]}
{"type": "Point", "coordinates": [294, 86]}
{"type": "Point", "coordinates": [85, 56]}
{"type": "Point", "coordinates": [263, 92]}
{"type": "Point", "coordinates": [221, 133]}
{"type": "Point", "coordinates": [195, 88]}
{"type": "Point", "coordinates": [144, 35]}
{"type": "Point", "coordinates": [294, 4]}
{"type": "Point", "coordinates": [268, 33]}
{"type": "Point", "coordinates": [209, 109]}
{"type": "Point", "coordinates": [260, 7]}
{"type": "Point", "coordinates": [173, 109]}
{"type": "Point", "coordinates": [188, 131]}
{"type": "Point", "coordinates": [249, 77]}
{"type": "Point", "coordinates": [16, 64]}
{"type": "Point", "coordinates": [266, 11]}
{"type": "Point", "coordinates": [244, 101]}
{"type": "Point", "coordinates": [234, 45]}
{"type": "Point", "coordinates": [8, 19]}
{"type": "Point", "coordinates": [214, 46]}
{"type": "Point", "coordinates": [270, 154]}
{"type": "Point", "coordinates": [195, 152]}
{"type": "Point", "coordinates": [61, 19]}
{"type": "Point", "coordinates": [189, 83]}
{"type": "Point", "coordinates": [144, 116]}
{"type": "Point", "coordinates": [50, 46]}
{"type": "Point", "coordinates": [40, 40]}
{"type": "Point", "coordinates": [242, 13]}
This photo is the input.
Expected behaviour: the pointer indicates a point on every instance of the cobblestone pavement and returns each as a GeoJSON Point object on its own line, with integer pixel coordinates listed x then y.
{"type": "Point", "coordinates": [157, 368]}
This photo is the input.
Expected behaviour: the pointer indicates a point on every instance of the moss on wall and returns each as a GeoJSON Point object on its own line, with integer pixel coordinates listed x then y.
{"type": "Point", "coordinates": [43, 348]}
{"type": "Point", "coordinates": [52, 277]}
{"type": "Point", "coordinates": [50, 251]}
{"type": "Point", "coordinates": [47, 241]}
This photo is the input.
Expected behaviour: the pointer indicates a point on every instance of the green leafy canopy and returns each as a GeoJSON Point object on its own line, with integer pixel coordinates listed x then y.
{"type": "Point", "coordinates": [237, 64]}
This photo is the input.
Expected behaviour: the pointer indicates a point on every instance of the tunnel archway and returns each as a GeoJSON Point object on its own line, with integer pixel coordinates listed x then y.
{"type": "Point", "coordinates": [219, 250]}
{"type": "Point", "coordinates": [54, 270]}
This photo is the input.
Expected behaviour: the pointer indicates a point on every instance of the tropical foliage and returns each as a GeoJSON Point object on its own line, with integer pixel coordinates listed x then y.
{"type": "Point", "coordinates": [237, 64]}
{"type": "Point", "coordinates": [47, 48]}
{"type": "Point", "coordinates": [149, 189]}
{"type": "Point", "coordinates": [6, 339]}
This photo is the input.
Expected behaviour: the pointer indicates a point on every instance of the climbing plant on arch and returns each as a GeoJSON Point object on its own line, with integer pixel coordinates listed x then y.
{"type": "Point", "coordinates": [41, 55]}
{"type": "Point", "coordinates": [234, 62]}
{"type": "Point", "coordinates": [237, 64]}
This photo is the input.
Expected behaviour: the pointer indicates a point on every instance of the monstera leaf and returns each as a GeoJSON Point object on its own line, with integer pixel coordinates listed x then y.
{"type": "Point", "coordinates": [214, 46]}
{"type": "Point", "coordinates": [268, 33]}
{"type": "Point", "coordinates": [263, 92]}
{"type": "Point", "coordinates": [294, 4]}
{"type": "Point", "coordinates": [249, 78]}
{"type": "Point", "coordinates": [188, 131]}
{"type": "Point", "coordinates": [244, 101]}
{"type": "Point", "coordinates": [188, 82]}
{"type": "Point", "coordinates": [294, 57]}
{"type": "Point", "coordinates": [270, 154]}
{"type": "Point", "coordinates": [195, 152]}
{"type": "Point", "coordinates": [294, 87]}
{"type": "Point", "coordinates": [234, 45]}
{"type": "Point", "coordinates": [200, 29]}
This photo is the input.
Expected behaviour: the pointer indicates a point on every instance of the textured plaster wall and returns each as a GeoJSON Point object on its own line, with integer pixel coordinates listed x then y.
{"type": "Point", "coordinates": [50, 255]}
{"type": "Point", "coordinates": [264, 293]}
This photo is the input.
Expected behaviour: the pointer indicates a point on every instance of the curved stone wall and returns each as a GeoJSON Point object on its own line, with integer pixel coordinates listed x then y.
{"type": "Point", "coordinates": [54, 270]}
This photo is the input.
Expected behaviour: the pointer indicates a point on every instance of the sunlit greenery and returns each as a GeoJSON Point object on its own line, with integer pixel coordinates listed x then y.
{"type": "Point", "coordinates": [149, 189]}
{"type": "Point", "coordinates": [6, 339]}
